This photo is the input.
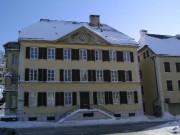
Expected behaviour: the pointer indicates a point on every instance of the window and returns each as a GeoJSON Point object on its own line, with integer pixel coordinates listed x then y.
{"type": "Point", "coordinates": [51, 53]}
{"type": "Point", "coordinates": [83, 54]}
{"type": "Point", "coordinates": [144, 55]}
{"type": "Point", "coordinates": [112, 54]}
{"type": "Point", "coordinates": [33, 74]}
{"type": "Point", "coordinates": [169, 85]}
{"type": "Point", "coordinates": [50, 99]}
{"type": "Point", "coordinates": [67, 98]}
{"type": "Point", "coordinates": [34, 52]}
{"type": "Point", "coordinates": [14, 59]}
{"type": "Point", "coordinates": [167, 67]}
{"type": "Point", "coordinates": [177, 67]}
{"type": "Point", "coordinates": [98, 55]}
{"type": "Point", "coordinates": [128, 75]}
{"type": "Point", "coordinates": [114, 76]}
{"type": "Point", "coordinates": [32, 98]}
{"type": "Point", "coordinates": [126, 56]}
{"type": "Point", "coordinates": [50, 75]}
{"type": "Point", "coordinates": [99, 76]}
{"type": "Point", "coordinates": [67, 75]}
{"type": "Point", "coordinates": [147, 53]}
{"type": "Point", "coordinates": [67, 54]}
{"type": "Point", "coordinates": [130, 97]}
{"type": "Point", "coordinates": [100, 98]}
{"type": "Point", "coordinates": [84, 75]}
{"type": "Point", "coordinates": [116, 98]}
{"type": "Point", "coordinates": [179, 84]}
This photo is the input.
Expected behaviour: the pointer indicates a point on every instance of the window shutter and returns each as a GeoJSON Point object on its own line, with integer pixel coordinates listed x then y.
{"type": "Point", "coordinates": [40, 75]}
{"type": "Point", "coordinates": [132, 57]}
{"type": "Point", "coordinates": [75, 75]}
{"type": "Point", "coordinates": [121, 75]}
{"type": "Point", "coordinates": [130, 75]}
{"type": "Point", "coordinates": [59, 53]}
{"type": "Point", "coordinates": [74, 98]}
{"type": "Point", "coordinates": [107, 75]}
{"type": "Point", "coordinates": [105, 55]}
{"type": "Point", "coordinates": [77, 54]}
{"type": "Point", "coordinates": [90, 75]}
{"type": "Point", "coordinates": [57, 98]}
{"type": "Point", "coordinates": [44, 53]}
{"type": "Point", "coordinates": [26, 98]}
{"type": "Point", "coordinates": [108, 98]}
{"type": "Point", "coordinates": [44, 74]}
{"type": "Point", "coordinates": [135, 97]}
{"type": "Point", "coordinates": [95, 98]}
{"type": "Point", "coordinates": [89, 58]}
{"type": "Point", "coordinates": [92, 55]}
{"type": "Point", "coordinates": [62, 98]}
{"type": "Point", "coordinates": [61, 75]}
{"type": "Point", "coordinates": [39, 99]}
{"type": "Point", "coordinates": [44, 99]}
{"type": "Point", "coordinates": [94, 75]}
{"type": "Point", "coordinates": [40, 55]}
{"type": "Point", "coordinates": [27, 52]}
{"type": "Point", "coordinates": [120, 56]}
{"type": "Point", "coordinates": [73, 56]}
{"type": "Point", "coordinates": [27, 74]}
{"type": "Point", "coordinates": [123, 97]}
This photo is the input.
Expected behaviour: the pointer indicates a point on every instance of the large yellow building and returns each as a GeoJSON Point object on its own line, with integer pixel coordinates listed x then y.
{"type": "Point", "coordinates": [159, 60]}
{"type": "Point", "coordinates": [65, 66]}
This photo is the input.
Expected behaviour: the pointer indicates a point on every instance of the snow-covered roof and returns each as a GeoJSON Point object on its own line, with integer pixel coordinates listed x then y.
{"type": "Point", "coordinates": [52, 30]}
{"type": "Point", "coordinates": [161, 44]}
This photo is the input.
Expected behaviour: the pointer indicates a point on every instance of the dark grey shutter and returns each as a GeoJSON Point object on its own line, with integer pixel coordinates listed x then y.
{"type": "Point", "coordinates": [135, 97]}
{"type": "Point", "coordinates": [108, 98]}
{"type": "Point", "coordinates": [92, 55]}
{"type": "Point", "coordinates": [121, 75]}
{"type": "Point", "coordinates": [107, 75]}
{"type": "Point", "coordinates": [120, 56]}
{"type": "Point", "coordinates": [105, 55]}
{"type": "Point", "coordinates": [123, 97]}
{"type": "Point", "coordinates": [40, 53]}
{"type": "Point", "coordinates": [130, 75]}
{"type": "Point", "coordinates": [57, 98]}
{"type": "Point", "coordinates": [59, 53]}
{"type": "Point", "coordinates": [73, 55]}
{"type": "Point", "coordinates": [44, 55]}
{"type": "Point", "coordinates": [27, 74]}
{"type": "Point", "coordinates": [90, 75]}
{"type": "Point", "coordinates": [61, 74]}
{"type": "Point", "coordinates": [26, 98]}
{"type": "Point", "coordinates": [62, 98]}
{"type": "Point", "coordinates": [27, 52]}
{"type": "Point", "coordinates": [132, 57]}
{"type": "Point", "coordinates": [40, 75]}
{"type": "Point", "coordinates": [95, 98]}
{"type": "Point", "coordinates": [94, 75]}
{"type": "Point", "coordinates": [74, 98]}
{"type": "Point", "coordinates": [39, 99]}
{"type": "Point", "coordinates": [44, 74]}
{"type": "Point", "coordinates": [75, 75]}
{"type": "Point", "coordinates": [44, 99]}
{"type": "Point", "coordinates": [89, 57]}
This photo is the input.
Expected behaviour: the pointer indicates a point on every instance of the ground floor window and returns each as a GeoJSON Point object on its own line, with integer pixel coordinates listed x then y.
{"type": "Point", "coordinates": [67, 98]}
{"type": "Point", "coordinates": [32, 98]}
{"type": "Point", "coordinates": [100, 98]}
{"type": "Point", "coordinates": [116, 97]}
{"type": "Point", "coordinates": [50, 99]}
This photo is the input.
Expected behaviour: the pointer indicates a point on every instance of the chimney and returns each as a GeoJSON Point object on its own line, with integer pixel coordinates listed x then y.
{"type": "Point", "coordinates": [143, 32]}
{"type": "Point", "coordinates": [94, 20]}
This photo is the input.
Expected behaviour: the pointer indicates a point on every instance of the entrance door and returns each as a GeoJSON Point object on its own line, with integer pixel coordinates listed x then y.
{"type": "Point", "coordinates": [84, 100]}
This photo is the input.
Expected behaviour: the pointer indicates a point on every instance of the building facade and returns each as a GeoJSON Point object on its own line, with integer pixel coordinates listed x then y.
{"type": "Point", "coordinates": [159, 60]}
{"type": "Point", "coordinates": [65, 66]}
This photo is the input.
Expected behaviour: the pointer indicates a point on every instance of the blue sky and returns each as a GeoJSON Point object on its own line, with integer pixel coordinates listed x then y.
{"type": "Point", "coordinates": [127, 16]}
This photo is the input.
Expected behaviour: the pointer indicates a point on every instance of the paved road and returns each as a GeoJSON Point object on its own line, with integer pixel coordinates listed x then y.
{"type": "Point", "coordinates": [89, 130]}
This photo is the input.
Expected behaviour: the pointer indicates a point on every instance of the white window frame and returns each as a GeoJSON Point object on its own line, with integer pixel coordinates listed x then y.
{"type": "Point", "coordinates": [50, 53]}
{"type": "Point", "coordinates": [34, 51]}
{"type": "Point", "coordinates": [33, 99]}
{"type": "Point", "coordinates": [126, 76]}
{"type": "Point", "coordinates": [83, 54]}
{"type": "Point", "coordinates": [67, 75]}
{"type": "Point", "coordinates": [68, 98]}
{"type": "Point", "coordinates": [67, 54]}
{"type": "Point", "coordinates": [101, 98]}
{"type": "Point", "coordinates": [130, 97]}
{"type": "Point", "coordinates": [116, 97]}
{"type": "Point", "coordinates": [84, 75]}
{"type": "Point", "coordinates": [14, 59]}
{"type": "Point", "coordinates": [99, 76]}
{"type": "Point", "coordinates": [114, 76]}
{"type": "Point", "coordinates": [50, 99]}
{"type": "Point", "coordinates": [113, 55]}
{"type": "Point", "coordinates": [98, 55]}
{"type": "Point", "coordinates": [50, 75]}
{"type": "Point", "coordinates": [126, 56]}
{"type": "Point", "coordinates": [33, 74]}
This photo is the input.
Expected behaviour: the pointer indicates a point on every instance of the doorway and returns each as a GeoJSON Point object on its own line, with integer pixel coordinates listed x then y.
{"type": "Point", "coordinates": [84, 100]}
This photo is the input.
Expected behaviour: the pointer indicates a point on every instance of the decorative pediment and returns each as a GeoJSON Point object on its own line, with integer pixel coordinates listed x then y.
{"type": "Point", "coordinates": [83, 36]}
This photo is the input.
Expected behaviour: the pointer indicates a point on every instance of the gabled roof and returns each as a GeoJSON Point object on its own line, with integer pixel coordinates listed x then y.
{"type": "Point", "coordinates": [52, 30]}
{"type": "Point", "coordinates": [161, 44]}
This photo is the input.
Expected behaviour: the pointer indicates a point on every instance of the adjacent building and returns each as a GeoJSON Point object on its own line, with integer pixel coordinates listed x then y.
{"type": "Point", "coordinates": [64, 66]}
{"type": "Point", "coordinates": [159, 60]}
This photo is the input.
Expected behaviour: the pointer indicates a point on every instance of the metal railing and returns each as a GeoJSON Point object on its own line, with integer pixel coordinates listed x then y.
{"type": "Point", "coordinates": [103, 109]}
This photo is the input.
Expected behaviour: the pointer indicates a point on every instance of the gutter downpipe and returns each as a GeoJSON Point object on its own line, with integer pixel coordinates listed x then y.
{"type": "Point", "coordinates": [156, 84]}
